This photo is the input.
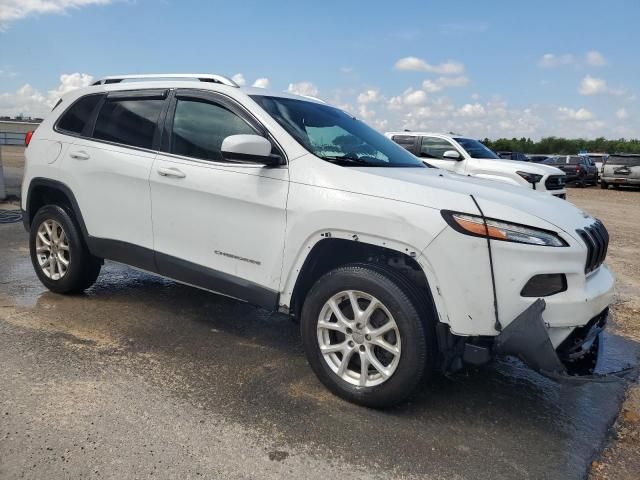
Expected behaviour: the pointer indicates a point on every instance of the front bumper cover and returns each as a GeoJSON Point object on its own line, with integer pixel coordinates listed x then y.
{"type": "Point", "coordinates": [526, 338]}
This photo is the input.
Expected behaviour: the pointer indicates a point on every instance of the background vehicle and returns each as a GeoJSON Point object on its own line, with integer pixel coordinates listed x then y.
{"type": "Point", "coordinates": [538, 158]}
{"type": "Point", "coordinates": [598, 159]}
{"type": "Point", "coordinates": [467, 156]}
{"type": "Point", "coordinates": [621, 169]}
{"type": "Point", "coordinates": [580, 170]}
{"type": "Point", "coordinates": [395, 270]}
{"type": "Point", "coordinates": [519, 156]}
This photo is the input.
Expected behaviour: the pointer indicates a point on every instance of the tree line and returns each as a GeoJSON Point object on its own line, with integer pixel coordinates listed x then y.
{"type": "Point", "coordinates": [561, 145]}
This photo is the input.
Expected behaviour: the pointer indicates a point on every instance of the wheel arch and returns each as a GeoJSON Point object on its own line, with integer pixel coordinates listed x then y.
{"type": "Point", "coordinates": [45, 191]}
{"type": "Point", "coordinates": [330, 252]}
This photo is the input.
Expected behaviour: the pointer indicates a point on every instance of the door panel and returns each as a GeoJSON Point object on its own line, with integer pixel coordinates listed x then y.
{"type": "Point", "coordinates": [111, 185]}
{"type": "Point", "coordinates": [216, 224]}
{"type": "Point", "coordinates": [231, 220]}
{"type": "Point", "coordinates": [109, 166]}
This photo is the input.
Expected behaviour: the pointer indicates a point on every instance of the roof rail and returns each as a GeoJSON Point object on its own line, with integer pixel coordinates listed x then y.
{"type": "Point", "coordinates": [202, 77]}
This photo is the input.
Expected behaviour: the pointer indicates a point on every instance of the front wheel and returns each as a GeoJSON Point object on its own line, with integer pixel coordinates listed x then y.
{"type": "Point", "coordinates": [603, 185]}
{"type": "Point", "coordinates": [366, 335]}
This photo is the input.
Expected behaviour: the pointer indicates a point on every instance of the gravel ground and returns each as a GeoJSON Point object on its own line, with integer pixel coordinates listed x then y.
{"type": "Point", "coordinates": [145, 378]}
{"type": "Point", "coordinates": [620, 211]}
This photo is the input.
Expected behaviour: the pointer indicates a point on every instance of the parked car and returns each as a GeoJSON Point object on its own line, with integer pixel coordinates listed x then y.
{"type": "Point", "coordinates": [598, 159]}
{"type": "Point", "coordinates": [394, 270]}
{"type": "Point", "coordinates": [467, 156]}
{"type": "Point", "coordinates": [519, 156]}
{"type": "Point", "coordinates": [621, 169]}
{"type": "Point", "coordinates": [537, 158]}
{"type": "Point", "coordinates": [580, 170]}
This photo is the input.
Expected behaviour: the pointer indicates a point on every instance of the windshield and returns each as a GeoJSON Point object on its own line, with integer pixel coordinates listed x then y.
{"type": "Point", "coordinates": [331, 134]}
{"type": "Point", "coordinates": [630, 161]}
{"type": "Point", "coordinates": [475, 149]}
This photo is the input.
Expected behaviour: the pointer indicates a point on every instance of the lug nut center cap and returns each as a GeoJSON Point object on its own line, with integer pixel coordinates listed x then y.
{"type": "Point", "coordinates": [358, 337]}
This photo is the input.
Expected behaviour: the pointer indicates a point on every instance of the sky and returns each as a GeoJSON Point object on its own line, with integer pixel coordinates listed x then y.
{"type": "Point", "coordinates": [486, 69]}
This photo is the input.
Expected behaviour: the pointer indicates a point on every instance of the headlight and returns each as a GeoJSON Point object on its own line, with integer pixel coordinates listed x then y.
{"type": "Point", "coordinates": [499, 230]}
{"type": "Point", "coordinates": [532, 178]}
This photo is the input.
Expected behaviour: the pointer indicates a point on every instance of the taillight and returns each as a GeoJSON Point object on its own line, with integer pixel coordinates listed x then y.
{"type": "Point", "coordinates": [27, 138]}
{"type": "Point", "coordinates": [577, 168]}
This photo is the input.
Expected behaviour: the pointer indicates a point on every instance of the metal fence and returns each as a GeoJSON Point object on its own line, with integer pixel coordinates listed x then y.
{"type": "Point", "coordinates": [12, 138]}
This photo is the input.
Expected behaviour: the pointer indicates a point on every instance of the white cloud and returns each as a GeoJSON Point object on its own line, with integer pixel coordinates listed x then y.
{"type": "Point", "coordinates": [622, 114]}
{"type": "Point", "coordinates": [472, 110]}
{"type": "Point", "coordinates": [409, 97]}
{"type": "Point", "coordinates": [262, 82]}
{"type": "Point", "coordinates": [303, 88]}
{"type": "Point", "coordinates": [441, 83]}
{"type": "Point", "coordinates": [597, 86]}
{"type": "Point", "coordinates": [450, 67]}
{"type": "Point", "coordinates": [595, 59]}
{"type": "Point", "coordinates": [239, 79]}
{"type": "Point", "coordinates": [29, 101]}
{"type": "Point", "coordinates": [550, 60]}
{"type": "Point", "coordinates": [417, 97]}
{"type": "Point", "coordinates": [569, 113]}
{"type": "Point", "coordinates": [12, 10]}
{"type": "Point", "coordinates": [369, 96]}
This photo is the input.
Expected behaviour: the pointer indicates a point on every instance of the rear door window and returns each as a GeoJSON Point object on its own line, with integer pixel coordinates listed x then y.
{"type": "Point", "coordinates": [76, 117]}
{"type": "Point", "coordinates": [129, 120]}
{"type": "Point", "coordinates": [405, 141]}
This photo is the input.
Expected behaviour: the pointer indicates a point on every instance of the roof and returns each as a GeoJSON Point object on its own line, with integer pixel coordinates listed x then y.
{"type": "Point", "coordinates": [203, 81]}
{"type": "Point", "coordinates": [423, 134]}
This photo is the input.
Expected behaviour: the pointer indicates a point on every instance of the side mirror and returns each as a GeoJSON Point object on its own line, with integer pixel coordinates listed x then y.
{"type": "Point", "coordinates": [452, 155]}
{"type": "Point", "coordinates": [248, 149]}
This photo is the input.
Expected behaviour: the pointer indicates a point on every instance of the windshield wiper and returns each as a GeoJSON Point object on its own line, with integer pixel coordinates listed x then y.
{"type": "Point", "coordinates": [345, 159]}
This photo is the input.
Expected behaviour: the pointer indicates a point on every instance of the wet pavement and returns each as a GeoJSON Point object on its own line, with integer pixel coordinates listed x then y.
{"type": "Point", "coordinates": [144, 377]}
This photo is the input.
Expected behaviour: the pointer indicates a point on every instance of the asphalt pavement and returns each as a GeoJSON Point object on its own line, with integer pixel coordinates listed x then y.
{"type": "Point", "coordinates": [142, 377]}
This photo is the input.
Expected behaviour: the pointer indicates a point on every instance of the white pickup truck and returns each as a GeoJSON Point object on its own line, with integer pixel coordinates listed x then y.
{"type": "Point", "coordinates": [467, 156]}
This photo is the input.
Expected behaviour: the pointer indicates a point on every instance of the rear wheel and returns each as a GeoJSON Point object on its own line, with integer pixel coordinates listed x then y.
{"type": "Point", "coordinates": [366, 336]}
{"type": "Point", "coordinates": [58, 253]}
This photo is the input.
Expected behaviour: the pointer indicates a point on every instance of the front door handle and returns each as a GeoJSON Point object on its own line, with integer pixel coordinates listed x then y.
{"type": "Point", "coordinates": [80, 155]}
{"type": "Point", "coordinates": [171, 172]}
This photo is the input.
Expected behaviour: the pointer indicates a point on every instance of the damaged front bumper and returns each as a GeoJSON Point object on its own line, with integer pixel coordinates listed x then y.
{"type": "Point", "coordinates": [527, 338]}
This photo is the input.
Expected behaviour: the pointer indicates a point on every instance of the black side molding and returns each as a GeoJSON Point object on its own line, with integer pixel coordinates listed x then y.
{"type": "Point", "coordinates": [184, 271]}
{"type": "Point", "coordinates": [123, 252]}
{"type": "Point", "coordinates": [216, 281]}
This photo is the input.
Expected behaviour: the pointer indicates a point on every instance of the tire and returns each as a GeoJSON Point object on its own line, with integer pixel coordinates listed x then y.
{"type": "Point", "coordinates": [82, 269]}
{"type": "Point", "coordinates": [412, 335]}
{"type": "Point", "coordinates": [604, 185]}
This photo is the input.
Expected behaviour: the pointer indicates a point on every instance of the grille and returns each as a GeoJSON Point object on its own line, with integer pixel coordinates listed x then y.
{"type": "Point", "coordinates": [596, 238]}
{"type": "Point", "coordinates": [555, 182]}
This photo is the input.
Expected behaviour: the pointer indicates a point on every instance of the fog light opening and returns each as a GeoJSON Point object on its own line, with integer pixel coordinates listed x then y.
{"type": "Point", "coordinates": [545, 285]}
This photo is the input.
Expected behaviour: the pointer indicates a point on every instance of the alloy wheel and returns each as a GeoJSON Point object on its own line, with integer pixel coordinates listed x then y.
{"type": "Point", "coordinates": [52, 249]}
{"type": "Point", "coordinates": [359, 338]}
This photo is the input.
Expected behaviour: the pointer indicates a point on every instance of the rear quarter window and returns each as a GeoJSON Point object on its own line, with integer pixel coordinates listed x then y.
{"type": "Point", "coordinates": [77, 116]}
{"type": "Point", "coordinates": [624, 161]}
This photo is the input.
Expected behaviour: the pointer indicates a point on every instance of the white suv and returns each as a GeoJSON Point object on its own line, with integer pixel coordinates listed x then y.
{"type": "Point", "coordinates": [394, 270]}
{"type": "Point", "coordinates": [467, 156]}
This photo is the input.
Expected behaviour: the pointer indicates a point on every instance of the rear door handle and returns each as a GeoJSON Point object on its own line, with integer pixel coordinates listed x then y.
{"type": "Point", "coordinates": [80, 155]}
{"type": "Point", "coordinates": [171, 172]}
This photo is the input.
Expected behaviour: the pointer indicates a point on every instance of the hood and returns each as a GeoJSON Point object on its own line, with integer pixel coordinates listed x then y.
{"type": "Point", "coordinates": [528, 167]}
{"type": "Point", "coordinates": [497, 199]}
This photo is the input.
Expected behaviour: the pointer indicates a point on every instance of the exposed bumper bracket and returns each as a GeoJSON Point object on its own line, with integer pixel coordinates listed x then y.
{"type": "Point", "coordinates": [526, 337]}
